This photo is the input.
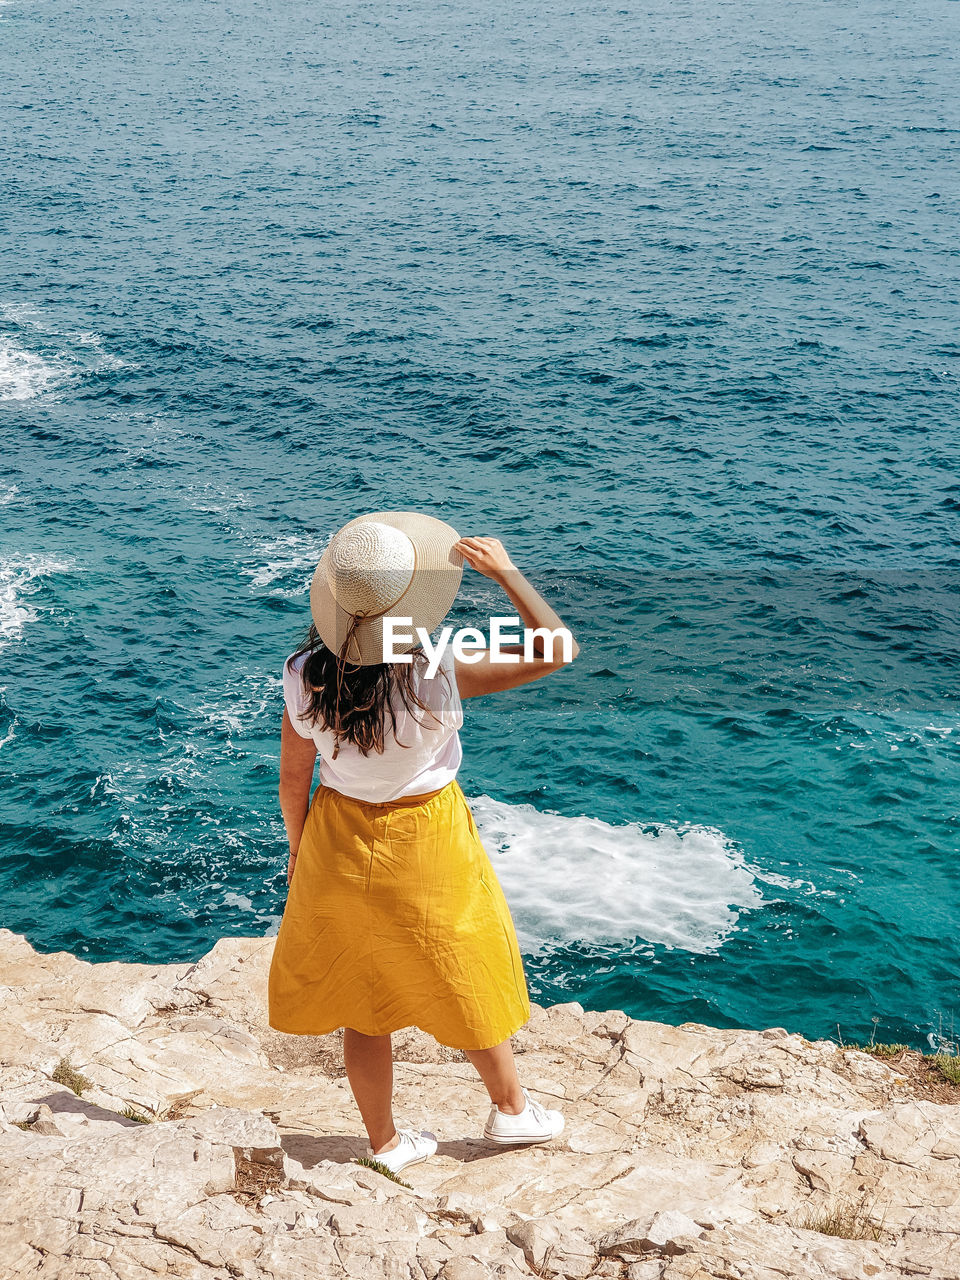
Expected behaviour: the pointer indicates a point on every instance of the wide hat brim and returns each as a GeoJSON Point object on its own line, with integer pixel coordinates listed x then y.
{"type": "Point", "coordinates": [426, 601]}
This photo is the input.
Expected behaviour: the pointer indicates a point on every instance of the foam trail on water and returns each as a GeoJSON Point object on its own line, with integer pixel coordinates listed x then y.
{"type": "Point", "coordinates": [584, 880]}
{"type": "Point", "coordinates": [24, 375]}
{"type": "Point", "coordinates": [21, 577]}
{"type": "Point", "coordinates": [289, 564]}
{"type": "Point", "coordinates": [27, 372]}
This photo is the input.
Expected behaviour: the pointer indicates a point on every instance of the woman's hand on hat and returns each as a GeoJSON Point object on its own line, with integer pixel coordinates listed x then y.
{"type": "Point", "coordinates": [487, 555]}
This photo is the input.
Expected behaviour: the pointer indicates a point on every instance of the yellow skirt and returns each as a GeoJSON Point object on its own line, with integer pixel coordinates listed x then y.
{"type": "Point", "coordinates": [395, 918]}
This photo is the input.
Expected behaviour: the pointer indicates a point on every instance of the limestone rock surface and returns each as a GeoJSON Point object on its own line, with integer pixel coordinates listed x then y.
{"type": "Point", "coordinates": [206, 1146]}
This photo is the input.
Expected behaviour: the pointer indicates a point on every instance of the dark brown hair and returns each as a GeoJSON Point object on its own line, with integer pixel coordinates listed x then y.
{"type": "Point", "coordinates": [355, 702]}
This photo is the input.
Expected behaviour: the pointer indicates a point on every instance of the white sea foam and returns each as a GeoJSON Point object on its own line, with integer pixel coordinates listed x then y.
{"type": "Point", "coordinates": [26, 372]}
{"type": "Point", "coordinates": [241, 704]}
{"type": "Point", "coordinates": [20, 578]}
{"type": "Point", "coordinates": [9, 495]}
{"type": "Point", "coordinates": [24, 375]}
{"type": "Point", "coordinates": [944, 1040]}
{"type": "Point", "coordinates": [804, 886]}
{"type": "Point", "coordinates": [102, 358]}
{"type": "Point", "coordinates": [213, 499]}
{"type": "Point", "coordinates": [286, 564]}
{"type": "Point", "coordinates": [581, 879]}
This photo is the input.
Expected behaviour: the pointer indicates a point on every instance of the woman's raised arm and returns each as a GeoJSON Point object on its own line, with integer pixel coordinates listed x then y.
{"type": "Point", "coordinates": [489, 557]}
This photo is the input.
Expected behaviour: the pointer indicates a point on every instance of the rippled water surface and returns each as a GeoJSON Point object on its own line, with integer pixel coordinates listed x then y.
{"type": "Point", "coordinates": [664, 297]}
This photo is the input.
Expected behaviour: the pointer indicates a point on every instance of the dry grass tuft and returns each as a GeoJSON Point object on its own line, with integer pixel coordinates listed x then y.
{"type": "Point", "coordinates": [847, 1218]}
{"type": "Point", "coordinates": [258, 1172]}
{"type": "Point", "coordinates": [178, 1107]}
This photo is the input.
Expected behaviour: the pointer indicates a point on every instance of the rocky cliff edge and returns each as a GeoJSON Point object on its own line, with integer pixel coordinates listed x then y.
{"type": "Point", "coordinates": [204, 1145]}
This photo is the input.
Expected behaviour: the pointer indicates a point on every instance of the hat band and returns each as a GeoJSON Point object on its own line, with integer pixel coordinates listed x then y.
{"type": "Point", "coordinates": [357, 619]}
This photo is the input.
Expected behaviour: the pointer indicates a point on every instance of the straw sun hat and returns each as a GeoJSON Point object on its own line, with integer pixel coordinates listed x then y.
{"type": "Point", "coordinates": [396, 564]}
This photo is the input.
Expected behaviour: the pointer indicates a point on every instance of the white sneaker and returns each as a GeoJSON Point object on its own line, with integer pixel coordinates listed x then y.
{"type": "Point", "coordinates": [411, 1149]}
{"type": "Point", "coordinates": [534, 1124]}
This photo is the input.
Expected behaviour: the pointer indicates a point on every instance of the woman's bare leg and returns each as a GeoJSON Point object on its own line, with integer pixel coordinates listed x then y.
{"type": "Point", "coordinates": [369, 1064]}
{"type": "Point", "coordinates": [498, 1071]}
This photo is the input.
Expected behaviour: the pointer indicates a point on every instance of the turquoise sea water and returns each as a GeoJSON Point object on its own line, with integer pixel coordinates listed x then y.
{"type": "Point", "coordinates": [666, 297]}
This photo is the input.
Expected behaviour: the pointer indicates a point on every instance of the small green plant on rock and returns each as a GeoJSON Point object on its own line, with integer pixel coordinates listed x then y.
{"type": "Point", "coordinates": [884, 1050]}
{"type": "Point", "coordinates": [369, 1162]}
{"type": "Point", "coordinates": [948, 1065]}
{"type": "Point", "coordinates": [131, 1113]}
{"type": "Point", "coordinates": [65, 1074]}
{"type": "Point", "coordinates": [946, 1060]}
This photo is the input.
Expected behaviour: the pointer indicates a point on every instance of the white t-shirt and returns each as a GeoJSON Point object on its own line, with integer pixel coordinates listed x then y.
{"type": "Point", "coordinates": [429, 760]}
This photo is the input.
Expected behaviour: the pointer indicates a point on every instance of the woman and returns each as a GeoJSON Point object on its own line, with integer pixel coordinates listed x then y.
{"type": "Point", "coordinates": [394, 915]}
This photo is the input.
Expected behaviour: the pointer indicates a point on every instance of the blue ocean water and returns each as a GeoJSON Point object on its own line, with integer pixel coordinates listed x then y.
{"type": "Point", "coordinates": [665, 297]}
